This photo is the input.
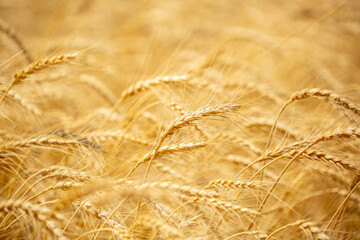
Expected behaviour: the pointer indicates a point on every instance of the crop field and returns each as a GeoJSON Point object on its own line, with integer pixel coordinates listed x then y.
{"type": "Point", "coordinates": [180, 119]}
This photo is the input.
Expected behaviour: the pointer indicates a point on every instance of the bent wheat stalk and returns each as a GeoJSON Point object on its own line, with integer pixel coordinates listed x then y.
{"type": "Point", "coordinates": [144, 85]}
{"type": "Point", "coordinates": [347, 133]}
{"type": "Point", "coordinates": [166, 150]}
{"type": "Point", "coordinates": [180, 188]}
{"type": "Point", "coordinates": [180, 122]}
{"type": "Point", "coordinates": [319, 93]}
{"type": "Point", "coordinates": [293, 149]}
{"type": "Point", "coordinates": [41, 213]}
{"type": "Point", "coordinates": [37, 66]}
{"type": "Point", "coordinates": [353, 187]}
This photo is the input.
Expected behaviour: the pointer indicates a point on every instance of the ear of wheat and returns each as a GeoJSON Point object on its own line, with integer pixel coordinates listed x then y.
{"type": "Point", "coordinates": [196, 120]}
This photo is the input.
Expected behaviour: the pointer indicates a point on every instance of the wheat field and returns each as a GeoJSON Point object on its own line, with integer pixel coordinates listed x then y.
{"type": "Point", "coordinates": [232, 119]}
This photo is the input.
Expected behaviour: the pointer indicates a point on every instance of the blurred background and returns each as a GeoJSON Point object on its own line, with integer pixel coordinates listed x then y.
{"type": "Point", "coordinates": [251, 52]}
{"type": "Point", "coordinates": [287, 45]}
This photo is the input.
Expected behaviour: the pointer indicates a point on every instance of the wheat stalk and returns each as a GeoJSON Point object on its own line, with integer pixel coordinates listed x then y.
{"type": "Point", "coordinates": [37, 66]}
{"type": "Point", "coordinates": [224, 183]}
{"type": "Point", "coordinates": [103, 215]}
{"type": "Point", "coordinates": [224, 205]}
{"type": "Point", "coordinates": [41, 213]}
{"type": "Point", "coordinates": [308, 227]}
{"type": "Point", "coordinates": [186, 119]}
{"type": "Point", "coordinates": [180, 188]}
{"type": "Point", "coordinates": [45, 141]}
{"type": "Point", "coordinates": [327, 158]}
{"type": "Point", "coordinates": [295, 148]}
{"type": "Point", "coordinates": [166, 150]}
{"type": "Point", "coordinates": [346, 133]}
{"type": "Point", "coordinates": [319, 93]}
{"type": "Point", "coordinates": [106, 136]}
{"type": "Point", "coordinates": [158, 226]}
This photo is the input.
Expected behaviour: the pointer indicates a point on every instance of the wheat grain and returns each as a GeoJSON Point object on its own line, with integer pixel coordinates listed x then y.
{"type": "Point", "coordinates": [40, 142]}
{"type": "Point", "coordinates": [106, 136]}
{"type": "Point", "coordinates": [181, 188]}
{"type": "Point", "coordinates": [146, 84]}
{"type": "Point", "coordinates": [294, 149]}
{"type": "Point", "coordinates": [347, 133]}
{"type": "Point", "coordinates": [304, 225]}
{"type": "Point", "coordinates": [224, 183]}
{"type": "Point", "coordinates": [36, 66]}
{"type": "Point", "coordinates": [119, 158]}
{"type": "Point", "coordinates": [102, 215]}
{"type": "Point", "coordinates": [42, 64]}
{"type": "Point", "coordinates": [166, 150]}
{"type": "Point", "coordinates": [177, 107]}
{"type": "Point", "coordinates": [224, 205]}
{"type": "Point", "coordinates": [158, 226]}
{"type": "Point", "coordinates": [327, 158]}
{"type": "Point", "coordinates": [324, 94]}
{"type": "Point", "coordinates": [313, 230]}
{"type": "Point", "coordinates": [60, 185]}
{"type": "Point", "coordinates": [184, 120]}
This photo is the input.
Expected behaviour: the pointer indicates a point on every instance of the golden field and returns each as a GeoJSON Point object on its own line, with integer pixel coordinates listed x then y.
{"type": "Point", "coordinates": [233, 119]}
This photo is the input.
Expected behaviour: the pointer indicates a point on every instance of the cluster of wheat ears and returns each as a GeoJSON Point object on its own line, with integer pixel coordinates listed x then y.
{"type": "Point", "coordinates": [180, 120]}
